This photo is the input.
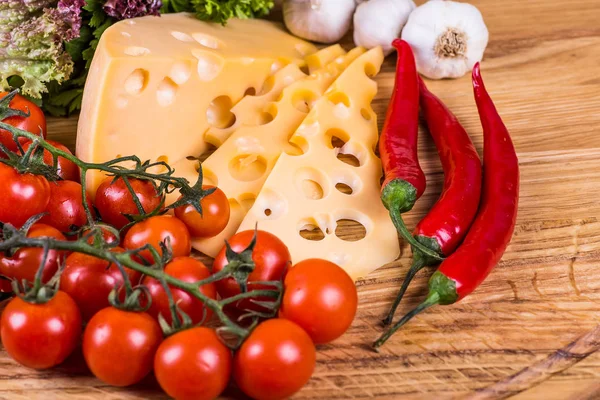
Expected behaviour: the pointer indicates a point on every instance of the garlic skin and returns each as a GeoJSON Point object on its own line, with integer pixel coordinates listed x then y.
{"type": "Point", "coordinates": [379, 22]}
{"type": "Point", "coordinates": [323, 21]}
{"type": "Point", "coordinates": [447, 38]}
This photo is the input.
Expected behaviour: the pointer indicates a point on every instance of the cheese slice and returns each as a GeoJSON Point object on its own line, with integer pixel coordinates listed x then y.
{"type": "Point", "coordinates": [242, 164]}
{"type": "Point", "coordinates": [309, 190]}
{"type": "Point", "coordinates": [156, 84]}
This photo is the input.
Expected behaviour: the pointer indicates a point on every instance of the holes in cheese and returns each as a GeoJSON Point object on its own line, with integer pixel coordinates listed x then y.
{"type": "Point", "coordinates": [312, 183]}
{"type": "Point", "coordinates": [207, 40]}
{"type": "Point", "coordinates": [371, 70]}
{"type": "Point", "coordinates": [310, 231]}
{"type": "Point", "coordinates": [209, 64]}
{"type": "Point", "coordinates": [352, 153]}
{"type": "Point", "coordinates": [347, 182]}
{"type": "Point", "coordinates": [247, 200]}
{"type": "Point", "coordinates": [366, 114]}
{"type": "Point", "coordinates": [247, 167]}
{"type": "Point", "coordinates": [342, 187]}
{"type": "Point", "coordinates": [350, 230]}
{"type": "Point", "coordinates": [180, 72]}
{"type": "Point", "coordinates": [184, 37]}
{"type": "Point", "coordinates": [272, 203]}
{"type": "Point", "coordinates": [268, 115]}
{"type": "Point", "coordinates": [137, 81]}
{"type": "Point", "coordinates": [166, 92]}
{"type": "Point", "coordinates": [296, 146]}
{"type": "Point", "coordinates": [303, 100]}
{"type": "Point", "coordinates": [218, 113]}
{"type": "Point", "coordinates": [336, 138]}
{"type": "Point", "coordinates": [250, 92]}
{"type": "Point", "coordinates": [339, 98]}
{"type": "Point", "coordinates": [136, 51]}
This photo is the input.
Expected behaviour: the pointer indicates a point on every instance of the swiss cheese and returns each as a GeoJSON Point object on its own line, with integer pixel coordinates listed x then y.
{"type": "Point", "coordinates": [241, 165]}
{"type": "Point", "coordinates": [156, 84]}
{"type": "Point", "coordinates": [303, 191]}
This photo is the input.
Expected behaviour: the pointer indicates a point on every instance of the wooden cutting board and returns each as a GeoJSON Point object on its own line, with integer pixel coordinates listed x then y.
{"type": "Point", "coordinates": [530, 330]}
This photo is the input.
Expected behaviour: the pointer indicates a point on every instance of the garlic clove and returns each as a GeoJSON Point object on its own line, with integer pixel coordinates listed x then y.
{"type": "Point", "coordinates": [447, 37]}
{"type": "Point", "coordinates": [324, 21]}
{"type": "Point", "coordinates": [379, 22]}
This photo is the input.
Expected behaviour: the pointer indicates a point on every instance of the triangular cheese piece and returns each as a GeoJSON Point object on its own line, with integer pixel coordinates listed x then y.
{"type": "Point", "coordinates": [310, 190]}
{"type": "Point", "coordinates": [241, 165]}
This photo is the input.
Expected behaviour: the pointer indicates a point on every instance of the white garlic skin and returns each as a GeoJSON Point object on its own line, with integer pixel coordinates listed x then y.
{"type": "Point", "coordinates": [379, 22]}
{"type": "Point", "coordinates": [323, 21]}
{"type": "Point", "coordinates": [431, 22]}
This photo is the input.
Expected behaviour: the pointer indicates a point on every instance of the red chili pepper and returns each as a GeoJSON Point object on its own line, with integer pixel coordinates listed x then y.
{"type": "Point", "coordinates": [404, 180]}
{"type": "Point", "coordinates": [494, 224]}
{"type": "Point", "coordinates": [447, 223]}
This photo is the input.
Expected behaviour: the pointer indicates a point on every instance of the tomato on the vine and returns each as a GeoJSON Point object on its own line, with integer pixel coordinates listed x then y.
{"type": "Point", "coordinates": [114, 200]}
{"type": "Point", "coordinates": [26, 261]}
{"type": "Point", "coordinates": [41, 336]}
{"type": "Point", "coordinates": [272, 260]}
{"type": "Point", "coordinates": [214, 218]}
{"type": "Point", "coordinates": [23, 195]}
{"type": "Point", "coordinates": [275, 361]}
{"type": "Point", "coordinates": [186, 269]}
{"type": "Point", "coordinates": [193, 364]}
{"type": "Point", "coordinates": [321, 297]}
{"type": "Point", "coordinates": [34, 123]}
{"type": "Point", "coordinates": [89, 281]}
{"type": "Point", "coordinates": [155, 230]}
{"type": "Point", "coordinates": [119, 346]}
{"type": "Point", "coordinates": [66, 169]}
{"type": "Point", "coordinates": [109, 237]}
{"type": "Point", "coordinates": [65, 208]}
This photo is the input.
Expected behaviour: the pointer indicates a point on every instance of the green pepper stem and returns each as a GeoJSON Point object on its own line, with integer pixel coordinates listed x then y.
{"type": "Point", "coordinates": [398, 222]}
{"type": "Point", "coordinates": [417, 265]}
{"type": "Point", "coordinates": [432, 299]}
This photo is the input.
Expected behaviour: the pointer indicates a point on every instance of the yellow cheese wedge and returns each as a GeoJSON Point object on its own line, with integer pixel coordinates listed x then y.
{"type": "Point", "coordinates": [242, 164]}
{"type": "Point", "coordinates": [156, 84]}
{"type": "Point", "coordinates": [315, 190]}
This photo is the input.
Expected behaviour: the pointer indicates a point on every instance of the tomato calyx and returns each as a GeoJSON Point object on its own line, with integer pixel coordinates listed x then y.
{"type": "Point", "coordinates": [241, 263]}
{"type": "Point", "coordinates": [6, 111]}
{"type": "Point", "coordinates": [193, 195]}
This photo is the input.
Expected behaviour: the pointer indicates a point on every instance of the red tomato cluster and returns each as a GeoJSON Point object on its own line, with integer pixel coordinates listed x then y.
{"type": "Point", "coordinates": [121, 347]}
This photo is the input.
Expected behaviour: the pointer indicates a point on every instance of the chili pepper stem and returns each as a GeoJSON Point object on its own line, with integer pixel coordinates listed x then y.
{"type": "Point", "coordinates": [432, 299]}
{"type": "Point", "coordinates": [418, 264]}
{"type": "Point", "coordinates": [398, 222]}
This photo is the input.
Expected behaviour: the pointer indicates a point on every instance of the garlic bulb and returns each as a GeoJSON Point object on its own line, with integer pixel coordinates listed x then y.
{"type": "Point", "coordinates": [447, 37]}
{"type": "Point", "coordinates": [324, 21]}
{"type": "Point", "coordinates": [379, 22]}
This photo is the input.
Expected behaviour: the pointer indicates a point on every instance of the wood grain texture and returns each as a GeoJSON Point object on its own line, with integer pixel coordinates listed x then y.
{"type": "Point", "coordinates": [530, 331]}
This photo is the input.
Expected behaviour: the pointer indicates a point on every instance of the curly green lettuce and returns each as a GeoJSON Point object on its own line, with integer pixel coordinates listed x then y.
{"type": "Point", "coordinates": [32, 42]}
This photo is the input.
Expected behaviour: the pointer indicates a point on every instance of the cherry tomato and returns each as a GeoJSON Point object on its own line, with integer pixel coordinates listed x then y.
{"type": "Point", "coordinates": [272, 259]}
{"type": "Point", "coordinates": [66, 169]}
{"type": "Point", "coordinates": [23, 195]}
{"type": "Point", "coordinates": [119, 346]}
{"type": "Point", "coordinates": [89, 281]}
{"type": "Point", "coordinates": [113, 199]}
{"type": "Point", "coordinates": [109, 237]}
{"type": "Point", "coordinates": [34, 123]}
{"type": "Point", "coordinates": [186, 269]}
{"type": "Point", "coordinates": [214, 218]}
{"type": "Point", "coordinates": [158, 229]}
{"type": "Point", "coordinates": [275, 361]}
{"type": "Point", "coordinates": [41, 336]}
{"type": "Point", "coordinates": [65, 208]}
{"type": "Point", "coordinates": [5, 285]}
{"type": "Point", "coordinates": [26, 261]}
{"type": "Point", "coordinates": [193, 364]}
{"type": "Point", "coordinates": [321, 298]}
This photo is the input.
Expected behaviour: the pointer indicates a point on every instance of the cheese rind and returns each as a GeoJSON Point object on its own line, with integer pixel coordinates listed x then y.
{"type": "Point", "coordinates": [302, 192]}
{"type": "Point", "coordinates": [242, 164]}
{"type": "Point", "coordinates": [152, 82]}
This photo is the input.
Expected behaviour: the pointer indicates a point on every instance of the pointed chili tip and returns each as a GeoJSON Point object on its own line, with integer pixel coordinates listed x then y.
{"type": "Point", "coordinates": [476, 74]}
{"type": "Point", "coordinates": [400, 44]}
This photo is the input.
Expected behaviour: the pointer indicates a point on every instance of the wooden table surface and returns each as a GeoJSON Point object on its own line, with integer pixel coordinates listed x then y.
{"type": "Point", "coordinates": [530, 330]}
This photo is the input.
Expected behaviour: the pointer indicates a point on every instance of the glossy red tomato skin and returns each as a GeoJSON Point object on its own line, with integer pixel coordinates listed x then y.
{"type": "Point", "coordinates": [214, 218]}
{"type": "Point", "coordinates": [272, 260]}
{"type": "Point", "coordinates": [321, 298]}
{"type": "Point", "coordinates": [89, 281]}
{"type": "Point", "coordinates": [193, 365]}
{"type": "Point", "coordinates": [119, 346]}
{"type": "Point", "coordinates": [23, 195]}
{"type": "Point", "coordinates": [34, 123]}
{"type": "Point", "coordinates": [155, 230]}
{"type": "Point", "coordinates": [275, 361]}
{"type": "Point", "coordinates": [66, 169]}
{"type": "Point", "coordinates": [108, 236]}
{"type": "Point", "coordinates": [40, 336]}
{"type": "Point", "coordinates": [26, 261]}
{"type": "Point", "coordinates": [186, 269]}
{"type": "Point", "coordinates": [65, 208]}
{"type": "Point", "coordinates": [113, 199]}
{"type": "Point", "coordinates": [5, 285]}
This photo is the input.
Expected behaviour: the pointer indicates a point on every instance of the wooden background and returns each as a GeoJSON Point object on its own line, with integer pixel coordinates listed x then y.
{"type": "Point", "coordinates": [530, 330]}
